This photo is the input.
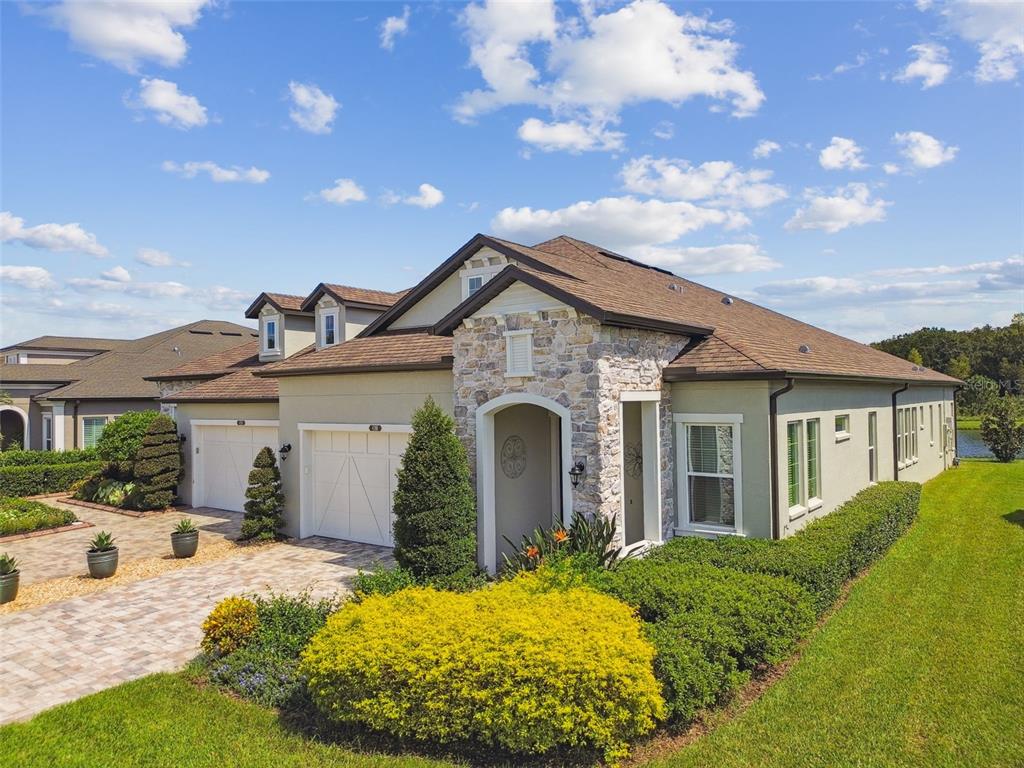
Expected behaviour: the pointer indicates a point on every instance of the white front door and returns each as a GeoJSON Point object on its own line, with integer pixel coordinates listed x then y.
{"type": "Point", "coordinates": [225, 458]}
{"type": "Point", "coordinates": [353, 483]}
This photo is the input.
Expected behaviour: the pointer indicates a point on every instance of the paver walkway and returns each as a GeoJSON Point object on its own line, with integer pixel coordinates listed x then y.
{"type": "Point", "coordinates": [41, 558]}
{"type": "Point", "coordinates": [62, 651]}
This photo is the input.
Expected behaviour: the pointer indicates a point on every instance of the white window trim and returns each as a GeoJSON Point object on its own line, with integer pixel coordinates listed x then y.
{"type": "Point", "coordinates": [485, 272]}
{"type": "Point", "coordinates": [276, 319]}
{"type": "Point", "coordinates": [81, 442]}
{"type": "Point", "coordinates": [801, 508]}
{"type": "Point", "coordinates": [510, 372]}
{"type": "Point", "coordinates": [650, 435]}
{"type": "Point", "coordinates": [845, 434]}
{"type": "Point", "coordinates": [47, 428]}
{"type": "Point", "coordinates": [683, 526]}
{"type": "Point", "coordinates": [334, 312]}
{"type": "Point", "coordinates": [813, 502]}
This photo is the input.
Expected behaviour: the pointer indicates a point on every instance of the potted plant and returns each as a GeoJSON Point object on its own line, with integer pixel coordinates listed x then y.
{"type": "Point", "coordinates": [185, 538]}
{"type": "Point", "coordinates": [9, 574]}
{"type": "Point", "coordinates": [102, 556]}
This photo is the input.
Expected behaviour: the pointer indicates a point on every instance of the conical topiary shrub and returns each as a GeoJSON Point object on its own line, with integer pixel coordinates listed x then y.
{"type": "Point", "coordinates": [434, 505]}
{"type": "Point", "coordinates": [265, 506]}
{"type": "Point", "coordinates": [157, 465]}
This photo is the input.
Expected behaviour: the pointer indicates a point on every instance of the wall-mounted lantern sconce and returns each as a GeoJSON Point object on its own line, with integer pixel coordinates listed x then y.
{"type": "Point", "coordinates": [182, 438]}
{"type": "Point", "coordinates": [285, 450]}
{"type": "Point", "coordinates": [577, 472]}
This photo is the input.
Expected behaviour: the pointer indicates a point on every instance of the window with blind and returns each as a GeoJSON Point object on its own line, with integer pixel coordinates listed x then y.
{"type": "Point", "coordinates": [813, 460]}
{"type": "Point", "coordinates": [519, 353]}
{"type": "Point", "coordinates": [794, 477]}
{"type": "Point", "coordinates": [711, 480]}
{"type": "Point", "coordinates": [92, 428]}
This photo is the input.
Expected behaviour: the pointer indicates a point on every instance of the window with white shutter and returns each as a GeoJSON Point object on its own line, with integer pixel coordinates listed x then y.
{"type": "Point", "coordinates": [519, 353]}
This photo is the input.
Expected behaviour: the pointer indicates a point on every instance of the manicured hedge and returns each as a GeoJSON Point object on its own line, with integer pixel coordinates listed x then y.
{"type": "Point", "coordinates": [22, 516]}
{"type": "Point", "coordinates": [823, 555]}
{"type": "Point", "coordinates": [27, 458]}
{"type": "Point", "coordinates": [44, 478]}
{"type": "Point", "coordinates": [505, 666]}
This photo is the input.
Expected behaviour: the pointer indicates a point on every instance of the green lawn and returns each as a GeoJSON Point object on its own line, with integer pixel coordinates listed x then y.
{"type": "Point", "coordinates": [969, 422]}
{"type": "Point", "coordinates": [921, 667]}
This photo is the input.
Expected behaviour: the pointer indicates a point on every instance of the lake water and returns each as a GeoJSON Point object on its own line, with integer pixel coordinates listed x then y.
{"type": "Point", "coordinates": [971, 445]}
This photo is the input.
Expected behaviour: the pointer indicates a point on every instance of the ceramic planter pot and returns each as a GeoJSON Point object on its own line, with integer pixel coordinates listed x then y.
{"type": "Point", "coordinates": [185, 544]}
{"type": "Point", "coordinates": [9, 587]}
{"type": "Point", "coordinates": [102, 565]}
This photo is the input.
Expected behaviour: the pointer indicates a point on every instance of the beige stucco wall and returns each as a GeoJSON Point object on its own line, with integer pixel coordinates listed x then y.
{"type": "Point", "coordinates": [359, 398]}
{"type": "Point", "coordinates": [750, 400]}
{"type": "Point", "coordinates": [435, 305]}
{"type": "Point", "coordinates": [186, 413]}
{"type": "Point", "coordinates": [844, 463]}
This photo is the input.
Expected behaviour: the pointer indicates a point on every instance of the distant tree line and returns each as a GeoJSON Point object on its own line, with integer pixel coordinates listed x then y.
{"type": "Point", "coordinates": [989, 359]}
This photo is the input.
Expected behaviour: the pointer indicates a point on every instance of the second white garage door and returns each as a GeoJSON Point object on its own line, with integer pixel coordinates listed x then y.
{"type": "Point", "coordinates": [353, 482]}
{"type": "Point", "coordinates": [225, 457]}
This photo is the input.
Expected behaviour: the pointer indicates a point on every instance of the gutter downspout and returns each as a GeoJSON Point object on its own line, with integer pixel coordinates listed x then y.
{"type": "Point", "coordinates": [773, 458]}
{"type": "Point", "coordinates": [895, 434]}
{"type": "Point", "coordinates": [956, 430]}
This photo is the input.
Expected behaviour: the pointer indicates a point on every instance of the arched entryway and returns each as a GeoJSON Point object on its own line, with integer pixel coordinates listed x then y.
{"type": "Point", "coordinates": [524, 445]}
{"type": "Point", "coordinates": [13, 427]}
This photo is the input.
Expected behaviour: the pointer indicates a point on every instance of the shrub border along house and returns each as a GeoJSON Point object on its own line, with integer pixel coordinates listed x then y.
{"type": "Point", "coordinates": [713, 614]}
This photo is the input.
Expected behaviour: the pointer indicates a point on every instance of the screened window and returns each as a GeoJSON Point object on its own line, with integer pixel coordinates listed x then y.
{"type": "Point", "coordinates": [92, 428]}
{"type": "Point", "coordinates": [475, 283]}
{"type": "Point", "coordinates": [813, 459]}
{"type": "Point", "coordinates": [710, 474]}
{"type": "Point", "coordinates": [330, 329]}
{"type": "Point", "coordinates": [842, 426]}
{"type": "Point", "coordinates": [270, 335]}
{"type": "Point", "coordinates": [794, 437]}
{"type": "Point", "coordinates": [47, 432]}
{"type": "Point", "coordinates": [873, 447]}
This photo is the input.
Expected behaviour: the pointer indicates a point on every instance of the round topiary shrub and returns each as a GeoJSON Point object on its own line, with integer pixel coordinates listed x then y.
{"type": "Point", "coordinates": [230, 625]}
{"type": "Point", "coordinates": [505, 666]}
{"type": "Point", "coordinates": [122, 437]}
{"type": "Point", "coordinates": [157, 465]}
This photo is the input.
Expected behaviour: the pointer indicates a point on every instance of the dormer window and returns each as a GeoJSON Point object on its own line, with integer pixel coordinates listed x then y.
{"type": "Point", "coordinates": [475, 284]}
{"type": "Point", "coordinates": [330, 329]}
{"type": "Point", "coordinates": [270, 336]}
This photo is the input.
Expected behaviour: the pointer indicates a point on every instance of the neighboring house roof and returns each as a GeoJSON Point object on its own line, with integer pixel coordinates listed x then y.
{"type": "Point", "coordinates": [347, 294]}
{"type": "Point", "coordinates": [732, 337]}
{"type": "Point", "coordinates": [283, 302]}
{"type": "Point", "coordinates": [119, 374]}
{"type": "Point", "coordinates": [67, 344]}
{"type": "Point", "coordinates": [43, 373]}
{"type": "Point", "coordinates": [245, 355]}
{"type": "Point", "coordinates": [388, 352]}
{"type": "Point", "coordinates": [238, 387]}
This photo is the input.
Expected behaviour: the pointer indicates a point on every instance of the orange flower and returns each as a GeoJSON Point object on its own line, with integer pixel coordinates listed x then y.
{"type": "Point", "coordinates": [532, 552]}
{"type": "Point", "coordinates": [561, 536]}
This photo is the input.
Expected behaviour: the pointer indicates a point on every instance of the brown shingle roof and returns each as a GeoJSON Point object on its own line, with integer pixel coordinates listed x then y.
{"type": "Point", "coordinates": [245, 355]}
{"type": "Point", "coordinates": [69, 343]}
{"type": "Point", "coordinates": [36, 372]}
{"type": "Point", "coordinates": [352, 295]}
{"type": "Point", "coordinates": [389, 352]}
{"type": "Point", "coordinates": [119, 374]}
{"type": "Point", "coordinates": [240, 386]}
{"type": "Point", "coordinates": [285, 302]}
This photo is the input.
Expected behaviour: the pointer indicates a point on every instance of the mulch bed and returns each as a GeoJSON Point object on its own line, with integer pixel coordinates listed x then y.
{"type": "Point", "coordinates": [46, 531]}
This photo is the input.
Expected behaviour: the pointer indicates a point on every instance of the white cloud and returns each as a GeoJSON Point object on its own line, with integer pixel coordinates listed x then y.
{"type": "Point", "coordinates": [664, 130]}
{"type": "Point", "coordinates": [129, 33]}
{"type": "Point", "coordinates": [392, 27]}
{"type": "Point", "coordinates": [429, 197]}
{"type": "Point", "coordinates": [719, 183]}
{"type": "Point", "coordinates": [851, 205]}
{"type": "Point", "coordinates": [118, 274]}
{"type": "Point", "coordinates": [344, 191]}
{"type": "Point", "coordinates": [221, 298]}
{"type": "Point", "coordinates": [997, 29]}
{"type": "Point", "coordinates": [597, 63]}
{"type": "Point", "coordinates": [1011, 269]}
{"type": "Point", "coordinates": [193, 168]}
{"type": "Point", "coordinates": [571, 136]}
{"type": "Point", "coordinates": [620, 223]}
{"type": "Point", "coordinates": [924, 151]}
{"type": "Point", "coordinates": [122, 283]}
{"type": "Point", "coordinates": [707, 260]}
{"type": "Point", "coordinates": [152, 257]}
{"type": "Point", "coordinates": [765, 148]}
{"type": "Point", "coordinates": [312, 109]}
{"type": "Point", "coordinates": [842, 154]}
{"type": "Point", "coordinates": [49, 237]}
{"type": "Point", "coordinates": [31, 278]}
{"type": "Point", "coordinates": [891, 168]}
{"type": "Point", "coordinates": [930, 65]}
{"type": "Point", "coordinates": [169, 105]}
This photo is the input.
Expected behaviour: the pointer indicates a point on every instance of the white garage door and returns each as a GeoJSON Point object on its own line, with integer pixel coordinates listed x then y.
{"type": "Point", "coordinates": [353, 482]}
{"type": "Point", "coordinates": [225, 460]}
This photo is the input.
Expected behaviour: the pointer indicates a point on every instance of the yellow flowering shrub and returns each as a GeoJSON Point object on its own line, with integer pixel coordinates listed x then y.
{"type": "Point", "coordinates": [230, 625]}
{"type": "Point", "coordinates": [505, 666]}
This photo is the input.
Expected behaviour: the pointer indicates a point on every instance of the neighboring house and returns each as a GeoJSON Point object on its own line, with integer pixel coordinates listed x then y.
{"type": "Point", "coordinates": [579, 380]}
{"type": "Point", "coordinates": [65, 389]}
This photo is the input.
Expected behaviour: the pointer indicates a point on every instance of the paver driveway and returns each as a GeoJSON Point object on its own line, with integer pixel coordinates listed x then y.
{"type": "Point", "coordinates": [62, 651]}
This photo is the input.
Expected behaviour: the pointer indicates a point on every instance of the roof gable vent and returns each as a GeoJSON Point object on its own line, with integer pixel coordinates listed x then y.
{"type": "Point", "coordinates": [805, 348]}
{"type": "Point", "coordinates": [727, 300]}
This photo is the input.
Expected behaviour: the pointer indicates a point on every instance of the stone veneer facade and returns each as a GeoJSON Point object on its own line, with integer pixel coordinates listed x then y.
{"type": "Point", "coordinates": [583, 366]}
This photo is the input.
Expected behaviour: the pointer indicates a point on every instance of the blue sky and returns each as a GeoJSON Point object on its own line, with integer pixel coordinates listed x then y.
{"type": "Point", "coordinates": [857, 165]}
